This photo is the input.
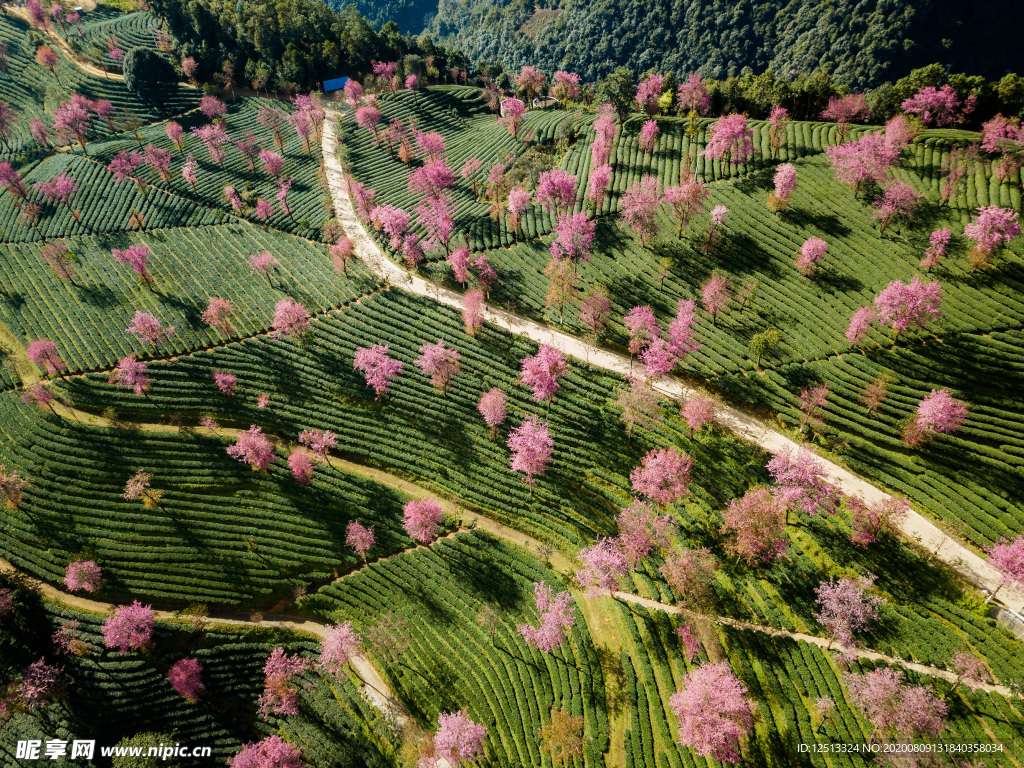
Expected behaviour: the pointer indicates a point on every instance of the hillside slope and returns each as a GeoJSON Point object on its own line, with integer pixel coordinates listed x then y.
{"type": "Point", "coordinates": [860, 42]}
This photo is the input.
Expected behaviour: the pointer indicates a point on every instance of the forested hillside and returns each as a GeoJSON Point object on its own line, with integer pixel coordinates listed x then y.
{"type": "Point", "coordinates": [860, 42]}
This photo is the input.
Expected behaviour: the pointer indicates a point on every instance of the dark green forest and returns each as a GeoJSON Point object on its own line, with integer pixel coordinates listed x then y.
{"type": "Point", "coordinates": [861, 43]}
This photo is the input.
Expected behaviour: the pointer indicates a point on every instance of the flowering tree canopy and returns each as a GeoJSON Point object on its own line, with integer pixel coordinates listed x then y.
{"type": "Point", "coordinates": [732, 138]}
{"type": "Point", "coordinates": [557, 614]}
{"type": "Point", "coordinates": [713, 712]}
{"type": "Point", "coordinates": [531, 445]}
{"type": "Point", "coordinates": [602, 567]}
{"type": "Point", "coordinates": [440, 363]}
{"type": "Point", "coordinates": [129, 627]}
{"type": "Point", "coordinates": [83, 576]}
{"type": "Point", "coordinates": [845, 607]}
{"type": "Point", "coordinates": [185, 676]}
{"type": "Point", "coordinates": [339, 646]}
{"type": "Point", "coordinates": [254, 448]}
{"type": "Point", "coordinates": [377, 366]}
{"type": "Point", "coordinates": [542, 371]}
{"type": "Point", "coordinates": [663, 476]}
{"type": "Point", "coordinates": [905, 305]}
{"type": "Point", "coordinates": [271, 752]}
{"type": "Point", "coordinates": [422, 519]}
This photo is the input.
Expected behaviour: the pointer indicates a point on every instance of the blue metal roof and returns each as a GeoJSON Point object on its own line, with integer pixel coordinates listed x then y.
{"type": "Point", "coordinates": [335, 85]}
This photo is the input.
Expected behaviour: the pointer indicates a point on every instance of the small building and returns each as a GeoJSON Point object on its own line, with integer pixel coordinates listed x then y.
{"type": "Point", "coordinates": [545, 102]}
{"type": "Point", "coordinates": [335, 84]}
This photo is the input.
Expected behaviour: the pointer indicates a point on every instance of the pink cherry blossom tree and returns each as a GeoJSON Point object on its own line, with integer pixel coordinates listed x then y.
{"type": "Point", "coordinates": [648, 93]}
{"type": "Point", "coordinates": [360, 537]}
{"type": "Point", "coordinates": [649, 136]}
{"type": "Point", "coordinates": [896, 203]}
{"type": "Point", "coordinates": [989, 230]}
{"type": "Point", "coordinates": [641, 531]}
{"type": "Point", "coordinates": [254, 448]}
{"type": "Point", "coordinates": [638, 207]}
{"type": "Point", "coordinates": [129, 628]}
{"type": "Point", "coordinates": [40, 683]}
{"type": "Point", "coordinates": [83, 576]}
{"type": "Point", "coordinates": [905, 305]}
{"type": "Point", "coordinates": [367, 117]}
{"type": "Point", "coordinates": [575, 237]}
{"type": "Point", "coordinates": [693, 96]}
{"type": "Point", "coordinates": [941, 412]}
{"type": "Point", "coordinates": [565, 86]}
{"type": "Point", "coordinates": [698, 412]}
{"type": "Point", "coordinates": [860, 324]}
{"type": "Point", "coordinates": [691, 573]}
{"type": "Point", "coordinates": [442, 364]}
{"type": "Point", "coordinates": [377, 367]}
{"type": "Point", "coordinates": [137, 257]}
{"type": "Point", "coordinates": [185, 676]}
{"type": "Point", "coordinates": [845, 607]}
{"type": "Point", "coordinates": [218, 315]}
{"type": "Point", "coordinates": [493, 409]}
{"type": "Point", "coordinates": [602, 567]}
{"type": "Point", "coordinates": [938, 242]}
{"type": "Point", "coordinates": [871, 521]}
{"type": "Point", "coordinates": [1007, 557]}
{"type": "Point", "coordinates": [320, 442]}
{"type": "Point", "coordinates": [518, 203]}
{"type": "Point", "coordinates": [226, 382]}
{"type": "Point", "coordinates": [556, 190]}
{"type": "Point", "coordinates": [894, 708]}
{"type": "Point", "coordinates": [43, 353]}
{"type": "Point", "coordinates": [422, 520]}
{"type": "Point", "coordinates": [812, 403]}
{"type": "Point", "coordinates": [934, 105]}
{"type": "Point", "coordinates": [868, 159]}
{"type": "Point", "coordinates": [279, 697]}
{"type": "Point", "coordinates": [271, 752]}
{"type": "Point", "coordinates": [843, 110]}
{"type": "Point", "coordinates": [785, 185]}
{"type": "Point", "coordinates": [472, 310]}
{"type": "Point", "coordinates": [341, 254]}
{"type": "Point", "coordinates": [340, 645]}
{"type": "Point", "coordinates": [967, 667]}
{"type": "Point", "coordinates": [595, 311]}
{"type": "Point", "coordinates": [542, 371]}
{"type": "Point", "coordinates": [301, 465]}
{"type": "Point", "coordinates": [686, 201]}
{"type": "Point", "coordinates": [129, 372]}
{"type": "Point", "coordinates": [802, 482]}
{"type": "Point", "coordinates": [290, 319]}
{"type": "Point", "coordinates": [755, 524]}
{"type": "Point", "coordinates": [715, 295]}
{"type": "Point", "coordinates": [642, 327]}
{"type": "Point", "coordinates": [458, 739]}
{"type": "Point", "coordinates": [714, 712]}
{"type": "Point", "coordinates": [663, 475]}
{"type": "Point", "coordinates": [731, 138]}
{"type": "Point", "coordinates": [512, 111]}
{"type": "Point", "coordinates": [811, 252]}
{"type": "Point", "coordinates": [531, 445]}
{"type": "Point", "coordinates": [148, 329]}
{"type": "Point", "coordinates": [600, 178]}
{"type": "Point", "coordinates": [557, 615]}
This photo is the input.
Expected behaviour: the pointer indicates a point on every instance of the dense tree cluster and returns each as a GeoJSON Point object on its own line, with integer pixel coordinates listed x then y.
{"type": "Point", "coordinates": [290, 45]}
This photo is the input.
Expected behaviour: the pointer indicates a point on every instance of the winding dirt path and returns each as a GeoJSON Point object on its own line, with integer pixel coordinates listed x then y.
{"type": "Point", "coordinates": [969, 564]}
{"type": "Point", "coordinates": [821, 642]}
{"type": "Point", "coordinates": [379, 692]}
{"type": "Point", "coordinates": [72, 55]}
{"type": "Point", "coordinates": [591, 606]}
